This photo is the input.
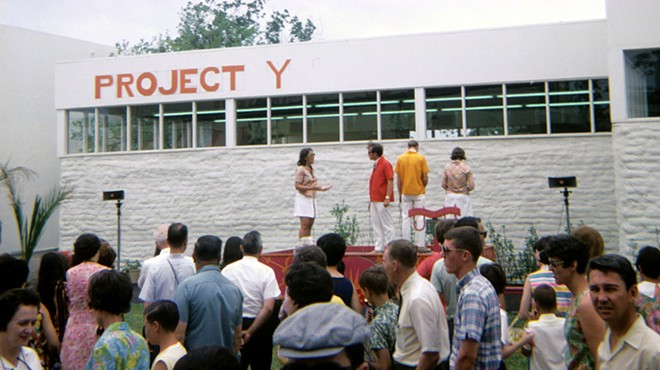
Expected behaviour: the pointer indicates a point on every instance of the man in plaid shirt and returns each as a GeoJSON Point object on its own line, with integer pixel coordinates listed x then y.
{"type": "Point", "coordinates": [476, 342]}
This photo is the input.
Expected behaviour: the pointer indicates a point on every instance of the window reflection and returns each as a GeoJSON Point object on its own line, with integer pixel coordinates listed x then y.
{"type": "Point", "coordinates": [360, 116]}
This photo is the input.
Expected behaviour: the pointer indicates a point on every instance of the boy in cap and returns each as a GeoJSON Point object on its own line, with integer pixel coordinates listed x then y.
{"type": "Point", "coordinates": [323, 333]}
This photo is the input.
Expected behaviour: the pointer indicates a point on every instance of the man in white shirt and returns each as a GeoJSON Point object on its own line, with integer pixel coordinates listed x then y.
{"type": "Point", "coordinates": [162, 249]}
{"type": "Point", "coordinates": [628, 342]}
{"type": "Point", "coordinates": [259, 287]}
{"type": "Point", "coordinates": [422, 338]}
{"type": "Point", "coordinates": [167, 272]}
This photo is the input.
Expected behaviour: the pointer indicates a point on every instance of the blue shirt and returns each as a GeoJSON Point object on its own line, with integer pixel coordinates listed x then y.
{"type": "Point", "coordinates": [478, 318]}
{"type": "Point", "coordinates": [212, 308]}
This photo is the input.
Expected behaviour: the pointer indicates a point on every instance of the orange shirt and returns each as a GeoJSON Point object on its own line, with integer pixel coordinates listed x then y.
{"type": "Point", "coordinates": [410, 167]}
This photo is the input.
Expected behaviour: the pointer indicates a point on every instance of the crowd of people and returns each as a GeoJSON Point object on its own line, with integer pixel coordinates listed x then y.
{"type": "Point", "coordinates": [582, 309]}
{"type": "Point", "coordinates": [585, 310]}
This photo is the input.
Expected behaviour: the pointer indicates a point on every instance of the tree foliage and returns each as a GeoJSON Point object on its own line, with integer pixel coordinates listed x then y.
{"type": "Point", "coordinates": [30, 229]}
{"type": "Point", "coordinates": [212, 24]}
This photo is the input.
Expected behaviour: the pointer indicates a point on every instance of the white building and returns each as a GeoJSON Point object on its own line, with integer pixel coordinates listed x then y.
{"type": "Point", "coordinates": [28, 133]}
{"type": "Point", "coordinates": [210, 138]}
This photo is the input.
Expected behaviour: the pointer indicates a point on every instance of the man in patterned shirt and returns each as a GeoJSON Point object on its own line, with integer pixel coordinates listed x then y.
{"type": "Point", "coordinates": [477, 343]}
{"type": "Point", "coordinates": [380, 346]}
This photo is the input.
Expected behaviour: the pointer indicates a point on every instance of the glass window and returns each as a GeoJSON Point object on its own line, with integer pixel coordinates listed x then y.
{"type": "Point", "coordinates": [251, 121]}
{"type": "Point", "coordinates": [177, 125]}
{"type": "Point", "coordinates": [525, 105]}
{"type": "Point", "coordinates": [112, 129]}
{"type": "Point", "coordinates": [484, 110]}
{"type": "Point", "coordinates": [286, 117]}
{"type": "Point", "coordinates": [397, 113]}
{"type": "Point", "coordinates": [444, 111]}
{"type": "Point", "coordinates": [569, 106]}
{"type": "Point", "coordinates": [211, 123]}
{"type": "Point", "coordinates": [360, 116]}
{"type": "Point", "coordinates": [643, 82]}
{"type": "Point", "coordinates": [322, 118]}
{"type": "Point", "coordinates": [601, 97]}
{"type": "Point", "coordinates": [144, 127]}
{"type": "Point", "coordinates": [80, 131]}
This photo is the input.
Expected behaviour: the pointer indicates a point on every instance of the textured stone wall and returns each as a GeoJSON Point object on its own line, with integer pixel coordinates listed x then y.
{"type": "Point", "coordinates": [232, 191]}
{"type": "Point", "coordinates": [637, 162]}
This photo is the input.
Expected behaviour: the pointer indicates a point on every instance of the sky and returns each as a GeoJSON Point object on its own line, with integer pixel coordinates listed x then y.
{"type": "Point", "coordinates": [110, 21]}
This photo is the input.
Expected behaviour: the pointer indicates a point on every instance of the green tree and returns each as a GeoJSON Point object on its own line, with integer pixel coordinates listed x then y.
{"type": "Point", "coordinates": [212, 24]}
{"type": "Point", "coordinates": [30, 229]}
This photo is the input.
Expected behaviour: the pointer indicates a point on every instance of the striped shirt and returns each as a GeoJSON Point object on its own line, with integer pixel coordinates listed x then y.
{"type": "Point", "coordinates": [478, 318]}
{"type": "Point", "coordinates": [545, 276]}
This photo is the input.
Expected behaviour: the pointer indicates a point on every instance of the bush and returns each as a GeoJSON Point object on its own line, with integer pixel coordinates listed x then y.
{"type": "Point", "coordinates": [517, 264]}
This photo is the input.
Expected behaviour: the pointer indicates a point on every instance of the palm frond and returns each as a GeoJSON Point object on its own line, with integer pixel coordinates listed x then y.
{"type": "Point", "coordinates": [30, 231]}
{"type": "Point", "coordinates": [41, 212]}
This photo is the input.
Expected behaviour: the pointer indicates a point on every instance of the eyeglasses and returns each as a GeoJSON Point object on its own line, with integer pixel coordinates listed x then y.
{"type": "Point", "coordinates": [483, 233]}
{"type": "Point", "coordinates": [445, 249]}
{"type": "Point", "coordinates": [555, 263]}
{"type": "Point", "coordinates": [312, 155]}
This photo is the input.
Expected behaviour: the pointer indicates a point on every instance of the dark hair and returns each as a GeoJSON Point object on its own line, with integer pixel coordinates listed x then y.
{"type": "Point", "coordinates": [458, 153]}
{"type": "Point", "coordinates": [308, 283]}
{"type": "Point", "coordinates": [540, 244]}
{"type": "Point", "coordinates": [107, 255]}
{"type": "Point", "coordinates": [86, 246]}
{"type": "Point", "coordinates": [468, 238]}
{"type": "Point", "coordinates": [376, 149]}
{"type": "Point", "coordinates": [13, 272]}
{"type": "Point", "coordinates": [648, 261]}
{"type": "Point", "coordinates": [413, 144]}
{"type": "Point", "coordinates": [494, 272]}
{"type": "Point", "coordinates": [177, 234]}
{"type": "Point", "coordinates": [110, 291]}
{"type": "Point", "coordinates": [11, 300]}
{"type": "Point", "coordinates": [165, 312]}
{"type": "Point", "coordinates": [208, 248]}
{"type": "Point", "coordinates": [468, 221]}
{"type": "Point", "coordinates": [208, 358]}
{"type": "Point", "coordinates": [617, 264]}
{"type": "Point", "coordinates": [52, 270]}
{"type": "Point", "coordinates": [545, 297]}
{"type": "Point", "coordinates": [440, 229]}
{"type": "Point", "coordinates": [232, 251]}
{"type": "Point", "coordinates": [374, 278]}
{"type": "Point", "coordinates": [404, 251]}
{"type": "Point", "coordinates": [252, 242]}
{"type": "Point", "coordinates": [302, 158]}
{"type": "Point", "coordinates": [310, 253]}
{"type": "Point", "coordinates": [591, 238]}
{"type": "Point", "coordinates": [334, 247]}
{"type": "Point", "coordinates": [568, 249]}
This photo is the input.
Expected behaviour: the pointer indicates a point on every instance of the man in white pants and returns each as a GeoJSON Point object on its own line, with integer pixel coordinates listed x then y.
{"type": "Point", "coordinates": [412, 176]}
{"type": "Point", "coordinates": [381, 192]}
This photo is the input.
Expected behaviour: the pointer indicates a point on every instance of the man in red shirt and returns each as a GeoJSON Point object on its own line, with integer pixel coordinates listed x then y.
{"type": "Point", "coordinates": [381, 192]}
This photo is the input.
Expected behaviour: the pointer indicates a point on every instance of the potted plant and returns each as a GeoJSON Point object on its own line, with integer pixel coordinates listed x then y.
{"type": "Point", "coordinates": [132, 268]}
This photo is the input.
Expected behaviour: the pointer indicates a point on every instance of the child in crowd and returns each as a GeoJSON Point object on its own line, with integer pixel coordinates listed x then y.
{"type": "Point", "coordinates": [383, 320]}
{"type": "Point", "coordinates": [549, 343]}
{"type": "Point", "coordinates": [160, 321]}
{"type": "Point", "coordinates": [495, 274]}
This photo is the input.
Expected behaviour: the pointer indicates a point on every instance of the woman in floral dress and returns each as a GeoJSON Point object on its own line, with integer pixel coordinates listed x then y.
{"type": "Point", "coordinates": [80, 334]}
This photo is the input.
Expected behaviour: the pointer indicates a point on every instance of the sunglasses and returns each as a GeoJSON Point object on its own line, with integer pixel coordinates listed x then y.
{"type": "Point", "coordinates": [445, 249]}
{"type": "Point", "coordinates": [555, 263]}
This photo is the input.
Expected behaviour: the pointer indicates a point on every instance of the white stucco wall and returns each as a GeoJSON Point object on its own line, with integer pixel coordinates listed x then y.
{"type": "Point", "coordinates": [634, 25]}
{"type": "Point", "coordinates": [232, 191]}
{"type": "Point", "coordinates": [28, 128]}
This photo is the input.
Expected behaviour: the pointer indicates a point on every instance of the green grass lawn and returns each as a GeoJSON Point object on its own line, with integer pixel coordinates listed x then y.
{"type": "Point", "coordinates": [135, 321]}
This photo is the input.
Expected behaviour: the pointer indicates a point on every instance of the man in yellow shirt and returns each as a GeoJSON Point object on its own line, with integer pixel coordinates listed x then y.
{"type": "Point", "coordinates": [412, 176]}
